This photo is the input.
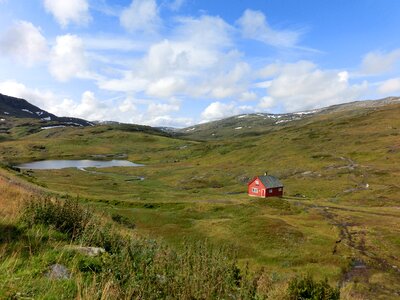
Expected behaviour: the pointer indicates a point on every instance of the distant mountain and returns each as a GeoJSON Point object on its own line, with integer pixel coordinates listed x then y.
{"type": "Point", "coordinates": [20, 108]}
{"type": "Point", "coordinates": [259, 123]}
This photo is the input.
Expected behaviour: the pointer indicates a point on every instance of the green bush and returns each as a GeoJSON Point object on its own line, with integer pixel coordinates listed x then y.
{"type": "Point", "coordinates": [90, 264]}
{"type": "Point", "coordinates": [104, 236]}
{"type": "Point", "coordinates": [302, 288]}
{"type": "Point", "coordinates": [66, 216]}
{"type": "Point", "coordinates": [123, 220]}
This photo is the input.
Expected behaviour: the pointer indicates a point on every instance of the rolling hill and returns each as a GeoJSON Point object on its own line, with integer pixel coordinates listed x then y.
{"type": "Point", "coordinates": [259, 123]}
{"type": "Point", "coordinates": [20, 118]}
{"type": "Point", "coordinates": [21, 108]}
{"type": "Point", "coordinates": [339, 217]}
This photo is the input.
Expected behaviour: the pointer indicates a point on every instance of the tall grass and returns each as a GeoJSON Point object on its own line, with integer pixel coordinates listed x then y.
{"type": "Point", "coordinates": [142, 268]}
{"type": "Point", "coordinates": [306, 288]}
{"type": "Point", "coordinates": [11, 198]}
{"type": "Point", "coordinates": [66, 216]}
{"type": "Point", "coordinates": [131, 268]}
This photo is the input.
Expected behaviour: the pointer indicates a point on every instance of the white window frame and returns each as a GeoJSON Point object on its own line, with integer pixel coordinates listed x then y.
{"type": "Point", "coordinates": [254, 190]}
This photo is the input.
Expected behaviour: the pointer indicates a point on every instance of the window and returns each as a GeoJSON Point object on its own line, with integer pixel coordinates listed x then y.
{"type": "Point", "coordinates": [280, 189]}
{"type": "Point", "coordinates": [255, 190]}
{"type": "Point", "coordinates": [257, 182]}
{"type": "Point", "coordinates": [270, 191]}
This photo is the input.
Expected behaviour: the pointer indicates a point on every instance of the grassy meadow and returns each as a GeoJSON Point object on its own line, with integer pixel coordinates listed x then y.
{"type": "Point", "coordinates": [339, 218]}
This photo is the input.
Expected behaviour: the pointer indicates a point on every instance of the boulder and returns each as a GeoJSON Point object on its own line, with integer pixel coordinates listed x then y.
{"type": "Point", "coordinates": [89, 251]}
{"type": "Point", "coordinates": [58, 271]}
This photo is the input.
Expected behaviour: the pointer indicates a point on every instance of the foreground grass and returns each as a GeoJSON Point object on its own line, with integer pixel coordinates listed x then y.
{"type": "Point", "coordinates": [46, 232]}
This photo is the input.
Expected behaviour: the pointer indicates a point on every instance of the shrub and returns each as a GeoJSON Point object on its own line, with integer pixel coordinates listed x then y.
{"type": "Point", "coordinates": [123, 220]}
{"type": "Point", "coordinates": [146, 270]}
{"type": "Point", "coordinates": [90, 264]}
{"type": "Point", "coordinates": [301, 288]}
{"type": "Point", "coordinates": [66, 216]}
{"type": "Point", "coordinates": [104, 236]}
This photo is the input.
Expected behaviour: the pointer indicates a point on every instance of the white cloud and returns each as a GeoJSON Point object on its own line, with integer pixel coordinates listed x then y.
{"type": "Point", "coordinates": [303, 85]}
{"type": "Point", "coordinates": [91, 108]}
{"type": "Point", "coordinates": [375, 63]}
{"type": "Point", "coordinates": [68, 11]}
{"type": "Point", "coordinates": [254, 25]}
{"type": "Point", "coordinates": [169, 121]}
{"type": "Point", "coordinates": [159, 114]}
{"type": "Point", "coordinates": [88, 107]}
{"type": "Point", "coordinates": [266, 102]}
{"type": "Point", "coordinates": [218, 110]}
{"type": "Point", "coordinates": [248, 96]}
{"type": "Point", "coordinates": [67, 58]}
{"type": "Point", "coordinates": [390, 86]}
{"type": "Point", "coordinates": [141, 15]}
{"type": "Point", "coordinates": [197, 61]}
{"type": "Point", "coordinates": [175, 5]}
{"type": "Point", "coordinates": [160, 109]}
{"type": "Point", "coordinates": [165, 87]}
{"type": "Point", "coordinates": [270, 70]}
{"type": "Point", "coordinates": [44, 99]}
{"type": "Point", "coordinates": [343, 76]}
{"type": "Point", "coordinates": [24, 43]}
{"type": "Point", "coordinates": [114, 43]}
{"type": "Point", "coordinates": [129, 83]}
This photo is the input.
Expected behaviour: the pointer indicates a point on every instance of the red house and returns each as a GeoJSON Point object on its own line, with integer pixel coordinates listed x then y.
{"type": "Point", "coordinates": [265, 186]}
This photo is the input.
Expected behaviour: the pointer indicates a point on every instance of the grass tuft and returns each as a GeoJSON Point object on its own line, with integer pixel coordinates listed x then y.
{"type": "Point", "coordinates": [66, 216]}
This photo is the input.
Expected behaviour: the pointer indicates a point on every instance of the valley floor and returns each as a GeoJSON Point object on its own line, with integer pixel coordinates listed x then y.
{"type": "Point", "coordinates": [339, 219]}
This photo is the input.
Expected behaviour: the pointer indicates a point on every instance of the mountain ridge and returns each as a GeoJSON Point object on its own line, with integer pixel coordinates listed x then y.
{"type": "Point", "coordinates": [255, 123]}
{"type": "Point", "coordinates": [21, 108]}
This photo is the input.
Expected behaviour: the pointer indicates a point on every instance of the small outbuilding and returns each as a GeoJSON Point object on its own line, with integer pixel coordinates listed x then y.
{"type": "Point", "coordinates": [265, 186]}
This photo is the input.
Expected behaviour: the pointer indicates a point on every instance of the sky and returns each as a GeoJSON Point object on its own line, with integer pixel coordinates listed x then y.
{"type": "Point", "coordinates": [177, 63]}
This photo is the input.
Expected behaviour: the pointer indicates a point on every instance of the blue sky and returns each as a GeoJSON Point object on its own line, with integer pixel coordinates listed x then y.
{"type": "Point", "coordinates": [181, 62]}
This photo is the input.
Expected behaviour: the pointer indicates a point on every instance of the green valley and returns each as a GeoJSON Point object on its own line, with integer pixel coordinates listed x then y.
{"type": "Point", "coordinates": [338, 219]}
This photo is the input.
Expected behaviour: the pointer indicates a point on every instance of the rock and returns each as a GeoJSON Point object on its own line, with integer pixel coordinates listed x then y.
{"type": "Point", "coordinates": [89, 251]}
{"type": "Point", "coordinates": [243, 179]}
{"type": "Point", "coordinates": [58, 271]}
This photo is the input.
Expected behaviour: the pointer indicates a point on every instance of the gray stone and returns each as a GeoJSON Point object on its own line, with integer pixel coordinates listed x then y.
{"type": "Point", "coordinates": [89, 251]}
{"type": "Point", "coordinates": [58, 271]}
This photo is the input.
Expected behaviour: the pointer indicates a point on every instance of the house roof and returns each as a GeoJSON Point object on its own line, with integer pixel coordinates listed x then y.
{"type": "Point", "coordinates": [270, 181]}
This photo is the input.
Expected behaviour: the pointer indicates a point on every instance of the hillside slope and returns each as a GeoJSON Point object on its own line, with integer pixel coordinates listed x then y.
{"type": "Point", "coordinates": [19, 118]}
{"type": "Point", "coordinates": [339, 218]}
{"type": "Point", "coordinates": [20, 108]}
{"type": "Point", "coordinates": [259, 123]}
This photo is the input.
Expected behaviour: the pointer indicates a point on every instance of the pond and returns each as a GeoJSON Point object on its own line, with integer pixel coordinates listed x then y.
{"type": "Point", "coordinates": [79, 164]}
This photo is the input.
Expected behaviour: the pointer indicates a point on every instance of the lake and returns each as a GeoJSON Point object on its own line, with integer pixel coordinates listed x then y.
{"type": "Point", "coordinates": [79, 164]}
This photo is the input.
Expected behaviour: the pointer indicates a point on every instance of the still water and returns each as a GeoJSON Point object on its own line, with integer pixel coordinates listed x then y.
{"type": "Point", "coordinates": [79, 164]}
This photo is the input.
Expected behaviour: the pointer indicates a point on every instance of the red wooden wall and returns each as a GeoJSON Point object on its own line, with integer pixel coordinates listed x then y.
{"type": "Point", "coordinates": [262, 191]}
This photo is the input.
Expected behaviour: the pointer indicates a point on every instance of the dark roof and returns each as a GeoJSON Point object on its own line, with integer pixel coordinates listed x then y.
{"type": "Point", "coordinates": [270, 181]}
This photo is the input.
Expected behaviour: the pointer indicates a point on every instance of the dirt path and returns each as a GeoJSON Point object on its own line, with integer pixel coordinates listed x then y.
{"type": "Point", "coordinates": [364, 260]}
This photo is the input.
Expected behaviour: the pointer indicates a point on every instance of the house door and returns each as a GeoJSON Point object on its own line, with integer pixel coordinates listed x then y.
{"type": "Point", "coordinates": [263, 193]}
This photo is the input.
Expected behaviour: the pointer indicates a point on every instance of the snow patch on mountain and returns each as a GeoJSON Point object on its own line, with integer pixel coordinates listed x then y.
{"type": "Point", "coordinates": [51, 127]}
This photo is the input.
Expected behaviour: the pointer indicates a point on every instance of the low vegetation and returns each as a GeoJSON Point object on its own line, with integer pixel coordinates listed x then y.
{"type": "Point", "coordinates": [47, 229]}
{"type": "Point", "coordinates": [306, 288]}
{"type": "Point", "coordinates": [339, 219]}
